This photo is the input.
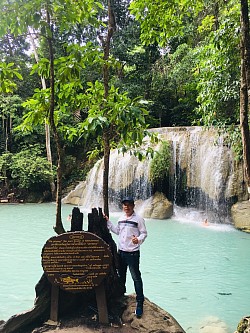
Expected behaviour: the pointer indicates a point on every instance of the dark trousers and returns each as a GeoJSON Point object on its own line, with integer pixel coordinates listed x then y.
{"type": "Point", "coordinates": [131, 260]}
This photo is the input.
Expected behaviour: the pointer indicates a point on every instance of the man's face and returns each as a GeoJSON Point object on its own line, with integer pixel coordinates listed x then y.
{"type": "Point", "coordinates": [128, 208]}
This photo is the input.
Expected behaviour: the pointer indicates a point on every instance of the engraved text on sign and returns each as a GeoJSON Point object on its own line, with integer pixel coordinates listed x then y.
{"type": "Point", "coordinates": [76, 261]}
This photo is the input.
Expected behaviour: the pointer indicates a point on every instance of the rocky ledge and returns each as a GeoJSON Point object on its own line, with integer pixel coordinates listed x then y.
{"type": "Point", "coordinates": [154, 320]}
{"type": "Point", "coordinates": [241, 215]}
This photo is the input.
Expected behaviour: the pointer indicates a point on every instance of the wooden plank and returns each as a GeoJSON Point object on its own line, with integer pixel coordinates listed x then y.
{"type": "Point", "coordinates": [54, 303]}
{"type": "Point", "coordinates": [101, 304]}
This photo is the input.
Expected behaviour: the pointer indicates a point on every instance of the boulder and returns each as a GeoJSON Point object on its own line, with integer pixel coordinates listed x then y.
{"type": "Point", "coordinates": [241, 215]}
{"type": "Point", "coordinates": [154, 320]}
{"type": "Point", "coordinates": [244, 325]}
{"type": "Point", "coordinates": [158, 207]}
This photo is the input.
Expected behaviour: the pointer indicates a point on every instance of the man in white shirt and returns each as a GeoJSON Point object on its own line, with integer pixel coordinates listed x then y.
{"type": "Point", "coordinates": [131, 231]}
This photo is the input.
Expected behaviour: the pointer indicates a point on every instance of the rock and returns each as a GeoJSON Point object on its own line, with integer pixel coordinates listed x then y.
{"type": "Point", "coordinates": [241, 215]}
{"type": "Point", "coordinates": [158, 207]}
{"type": "Point", "coordinates": [154, 320]}
{"type": "Point", "coordinates": [244, 325]}
{"type": "Point", "coordinates": [4, 201]}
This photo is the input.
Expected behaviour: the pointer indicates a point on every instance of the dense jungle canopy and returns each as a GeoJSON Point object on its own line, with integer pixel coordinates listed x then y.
{"type": "Point", "coordinates": [99, 73]}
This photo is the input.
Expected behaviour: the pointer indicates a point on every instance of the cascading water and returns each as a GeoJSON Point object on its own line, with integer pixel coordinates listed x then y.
{"type": "Point", "coordinates": [202, 175]}
{"type": "Point", "coordinates": [127, 176]}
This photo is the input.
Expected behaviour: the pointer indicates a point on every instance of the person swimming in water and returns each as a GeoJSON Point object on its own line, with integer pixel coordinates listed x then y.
{"type": "Point", "coordinates": [205, 223]}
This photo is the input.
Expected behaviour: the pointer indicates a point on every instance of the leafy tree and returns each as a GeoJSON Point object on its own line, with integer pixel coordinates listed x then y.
{"type": "Point", "coordinates": [7, 75]}
{"type": "Point", "coordinates": [217, 70]}
{"type": "Point", "coordinates": [15, 50]}
{"type": "Point", "coordinates": [27, 170]}
{"type": "Point", "coordinates": [244, 91]}
{"type": "Point", "coordinates": [121, 119]}
{"type": "Point", "coordinates": [43, 16]}
{"type": "Point", "coordinates": [113, 118]}
{"type": "Point", "coordinates": [10, 111]}
{"type": "Point", "coordinates": [160, 20]}
{"type": "Point", "coordinates": [174, 87]}
{"type": "Point", "coordinates": [109, 114]}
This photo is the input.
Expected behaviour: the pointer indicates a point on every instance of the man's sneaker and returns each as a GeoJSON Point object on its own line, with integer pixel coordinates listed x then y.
{"type": "Point", "coordinates": [139, 310]}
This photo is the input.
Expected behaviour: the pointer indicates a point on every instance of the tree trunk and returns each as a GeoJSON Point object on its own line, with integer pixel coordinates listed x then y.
{"type": "Point", "coordinates": [46, 125]}
{"type": "Point", "coordinates": [106, 173]}
{"type": "Point", "coordinates": [106, 134]}
{"type": "Point", "coordinates": [245, 89]}
{"type": "Point", "coordinates": [76, 220]}
{"type": "Point", "coordinates": [59, 226]}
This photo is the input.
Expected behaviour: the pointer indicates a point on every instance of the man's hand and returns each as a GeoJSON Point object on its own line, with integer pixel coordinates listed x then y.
{"type": "Point", "coordinates": [135, 240]}
{"type": "Point", "coordinates": [105, 217]}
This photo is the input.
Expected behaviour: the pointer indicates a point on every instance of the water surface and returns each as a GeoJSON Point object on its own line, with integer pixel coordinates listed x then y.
{"type": "Point", "coordinates": [200, 275]}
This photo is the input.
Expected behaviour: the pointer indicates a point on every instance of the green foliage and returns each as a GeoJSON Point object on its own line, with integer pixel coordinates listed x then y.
{"type": "Point", "coordinates": [174, 86]}
{"type": "Point", "coordinates": [10, 112]}
{"type": "Point", "coordinates": [232, 138]}
{"type": "Point", "coordinates": [118, 115]}
{"type": "Point", "coordinates": [218, 73]}
{"type": "Point", "coordinates": [7, 74]}
{"type": "Point", "coordinates": [10, 105]}
{"type": "Point", "coordinates": [33, 14]}
{"type": "Point", "coordinates": [15, 50]}
{"type": "Point", "coordinates": [68, 89]}
{"type": "Point", "coordinates": [160, 163]}
{"type": "Point", "coordinates": [27, 169]}
{"type": "Point", "coordinates": [162, 19]}
{"type": "Point", "coordinates": [186, 66]}
{"type": "Point", "coordinates": [209, 70]}
{"type": "Point", "coordinates": [5, 162]}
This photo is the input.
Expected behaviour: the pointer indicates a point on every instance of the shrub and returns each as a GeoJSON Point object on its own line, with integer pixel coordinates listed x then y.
{"type": "Point", "coordinates": [27, 169]}
{"type": "Point", "coordinates": [160, 163]}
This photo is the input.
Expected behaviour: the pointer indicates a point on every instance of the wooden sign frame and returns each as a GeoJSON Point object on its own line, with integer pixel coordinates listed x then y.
{"type": "Point", "coordinates": [75, 262]}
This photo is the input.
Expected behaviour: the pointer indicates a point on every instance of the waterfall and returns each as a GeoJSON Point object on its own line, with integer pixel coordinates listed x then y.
{"type": "Point", "coordinates": [202, 175]}
{"type": "Point", "coordinates": [127, 176]}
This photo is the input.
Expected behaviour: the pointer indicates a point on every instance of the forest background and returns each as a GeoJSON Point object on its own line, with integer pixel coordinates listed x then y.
{"type": "Point", "coordinates": [99, 74]}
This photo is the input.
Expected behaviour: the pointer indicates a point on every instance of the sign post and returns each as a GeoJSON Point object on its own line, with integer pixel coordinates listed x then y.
{"type": "Point", "coordinates": [54, 303]}
{"type": "Point", "coordinates": [75, 262]}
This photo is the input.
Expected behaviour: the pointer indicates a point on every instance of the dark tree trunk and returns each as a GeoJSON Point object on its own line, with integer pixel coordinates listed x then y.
{"type": "Point", "coordinates": [107, 133]}
{"type": "Point", "coordinates": [59, 226]}
{"type": "Point", "coordinates": [76, 220]}
{"type": "Point", "coordinates": [106, 174]}
{"type": "Point", "coordinates": [245, 88]}
{"type": "Point", "coordinates": [98, 226]}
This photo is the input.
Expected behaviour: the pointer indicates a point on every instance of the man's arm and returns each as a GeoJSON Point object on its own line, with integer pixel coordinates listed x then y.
{"type": "Point", "coordinates": [142, 230]}
{"type": "Point", "coordinates": [111, 226]}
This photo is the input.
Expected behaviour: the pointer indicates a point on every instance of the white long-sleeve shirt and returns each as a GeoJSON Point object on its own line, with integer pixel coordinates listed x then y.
{"type": "Point", "coordinates": [126, 228]}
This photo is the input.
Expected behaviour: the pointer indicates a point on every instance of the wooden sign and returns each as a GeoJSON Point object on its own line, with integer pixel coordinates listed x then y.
{"type": "Point", "coordinates": [76, 261]}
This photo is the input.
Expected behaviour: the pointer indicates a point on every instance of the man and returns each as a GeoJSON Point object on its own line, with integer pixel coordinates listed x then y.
{"type": "Point", "coordinates": [131, 231]}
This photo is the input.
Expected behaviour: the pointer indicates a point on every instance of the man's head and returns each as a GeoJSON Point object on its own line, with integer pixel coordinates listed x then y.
{"type": "Point", "coordinates": [128, 200]}
{"type": "Point", "coordinates": [128, 205]}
